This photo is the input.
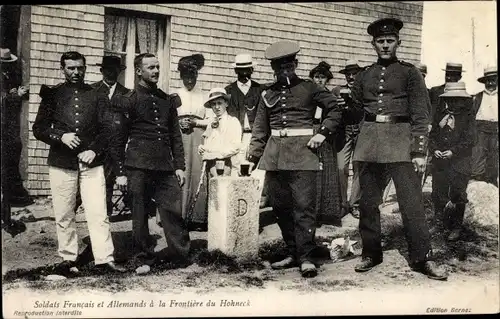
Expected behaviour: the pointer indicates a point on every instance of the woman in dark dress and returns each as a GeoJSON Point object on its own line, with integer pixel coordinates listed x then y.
{"type": "Point", "coordinates": [328, 201]}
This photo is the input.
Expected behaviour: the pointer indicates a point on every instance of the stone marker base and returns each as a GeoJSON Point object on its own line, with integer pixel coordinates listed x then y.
{"type": "Point", "coordinates": [233, 216]}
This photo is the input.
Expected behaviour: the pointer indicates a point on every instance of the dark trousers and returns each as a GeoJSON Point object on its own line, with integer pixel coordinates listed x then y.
{"type": "Point", "coordinates": [485, 153]}
{"type": "Point", "coordinates": [292, 196]}
{"type": "Point", "coordinates": [167, 195]}
{"type": "Point", "coordinates": [449, 185]}
{"type": "Point", "coordinates": [373, 180]}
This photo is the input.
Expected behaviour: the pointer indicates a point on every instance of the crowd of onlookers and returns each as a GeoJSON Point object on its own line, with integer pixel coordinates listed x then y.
{"type": "Point", "coordinates": [161, 149]}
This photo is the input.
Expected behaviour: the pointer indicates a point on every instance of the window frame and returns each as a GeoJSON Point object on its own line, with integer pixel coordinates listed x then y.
{"type": "Point", "coordinates": [128, 76]}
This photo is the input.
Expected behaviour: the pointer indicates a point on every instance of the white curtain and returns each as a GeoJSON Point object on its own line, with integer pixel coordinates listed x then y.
{"type": "Point", "coordinates": [115, 33]}
{"type": "Point", "coordinates": [147, 35]}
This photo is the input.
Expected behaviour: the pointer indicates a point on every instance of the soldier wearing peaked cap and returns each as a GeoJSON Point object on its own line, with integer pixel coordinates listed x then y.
{"type": "Point", "coordinates": [392, 141]}
{"type": "Point", "coordinates": [284, 141]}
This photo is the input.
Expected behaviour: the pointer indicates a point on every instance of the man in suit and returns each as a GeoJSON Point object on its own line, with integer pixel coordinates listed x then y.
{"type": "Point", "coordinates": [73, 120]}
{"type": "Point", "coordinates": [245, 95]}
{"type": "Point", "coordinates": [12, 96]}
{"type": "Point", "coordinates": [392, 141]}
{"type": "Point", "coordinates": [453, 73]}
{"type": "Point", "coordinates": [351, 117]}
{"type": "Point", "coordinates": [451, 140]}
{"type": "Point", "coordinates": [153, 159]}
{"type": "Point", "coordinates": [284, 142]}
{"type": "Point", "coordinates": [485, 153]}
{"type": "Point", "coordinates": [111, 67]}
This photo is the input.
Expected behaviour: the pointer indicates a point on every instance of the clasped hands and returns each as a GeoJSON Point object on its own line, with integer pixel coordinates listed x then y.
{"type": "Point", "coordinates": [443, 155]}
{"type": "Point", "coordinates": [72, 141]}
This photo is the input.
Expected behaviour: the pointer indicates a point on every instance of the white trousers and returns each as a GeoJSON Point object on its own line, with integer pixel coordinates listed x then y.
{"type": "Point", "coordinates": [64, 185]}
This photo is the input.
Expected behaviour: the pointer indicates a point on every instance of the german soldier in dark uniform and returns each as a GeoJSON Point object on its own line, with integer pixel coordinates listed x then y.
{"type": "Point", "coordinates": [450, 142]}
{"type": "Point", "coordinates": [283, 140]}
{"type": "Point", "coordinates": [74, 121]}
{"type": "Point", "coordinates": [154, 157]}
{"type": "Point", "coordinates": [392, 141]}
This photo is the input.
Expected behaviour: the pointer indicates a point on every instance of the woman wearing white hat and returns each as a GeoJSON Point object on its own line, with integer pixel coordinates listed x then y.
{"type": "Point", "coordinates": [222, 139]}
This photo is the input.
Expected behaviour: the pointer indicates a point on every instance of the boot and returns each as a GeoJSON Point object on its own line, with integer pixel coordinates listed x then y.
{"type": "Point", "coordinates": [456, 220]}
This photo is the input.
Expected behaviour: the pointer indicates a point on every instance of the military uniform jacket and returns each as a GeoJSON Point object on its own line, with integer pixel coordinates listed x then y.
{"type": "Point", "coordinates": [291, 107]}
{"type": "Point", "coordinates": [392, 88]}
{"type": "Point", "coordinates": [69, 108]}
{"type": "Point", "coordinates": [459, 140]}
{"type": "Point", "coordinates": [153, 132]}
{"type": "Point", "coordinates": [241, 104]}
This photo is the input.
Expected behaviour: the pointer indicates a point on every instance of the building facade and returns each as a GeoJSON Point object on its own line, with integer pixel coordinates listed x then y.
{"type": "Point", "coordinates": [333, 32]}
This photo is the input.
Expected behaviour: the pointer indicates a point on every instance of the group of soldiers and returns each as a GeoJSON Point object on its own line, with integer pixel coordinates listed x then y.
{"type": "Point", "coordinates": [105, 134]}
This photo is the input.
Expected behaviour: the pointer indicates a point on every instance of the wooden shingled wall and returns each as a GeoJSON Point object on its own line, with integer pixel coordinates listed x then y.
{"type": "Point", "coordinates": [333, 32]}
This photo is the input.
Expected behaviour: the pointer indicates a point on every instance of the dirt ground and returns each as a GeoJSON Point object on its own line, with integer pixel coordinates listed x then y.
{"type": "Point", "coordinates": [27, 258]}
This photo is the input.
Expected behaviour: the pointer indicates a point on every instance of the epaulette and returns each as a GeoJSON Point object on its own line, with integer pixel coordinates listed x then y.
{"type": "Point", "coordinates": [366, 67]}
{"type": "Point", "coordinates": [161, 94]}
{"type": "Point", "coordinates": [266, 86]}
{"type": "Point", "coordinates": [175, 99]}
{"type": "Point", "coordinates": [46, 90]}
{"type": "Point", "coordinates": [307, 79]}
{"type": "Point", "coordinates": [406, 63]}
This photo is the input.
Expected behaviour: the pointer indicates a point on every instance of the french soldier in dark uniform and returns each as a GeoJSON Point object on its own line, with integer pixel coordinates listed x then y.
{"type": "Point", "coordinates": [283, 140]}
{"type": "Point", "coordinates": [451, 141]}
{"type": "Point", "coordinates": [154, 157]}
{"type": "Point", "coordinates": [392, 141]}
{"type": "Point", "coordinates": [74, 121]}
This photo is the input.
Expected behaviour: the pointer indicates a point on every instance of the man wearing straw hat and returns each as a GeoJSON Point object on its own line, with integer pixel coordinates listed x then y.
{"type": "Point", "coordinates": [453, 73]}
{"type": "Point", "coordinates": [485, 153]}
{"type": "Point", "coordinates": [392, 142]}
{"type": "Point", "coordinates": [351, 117]}
{"type": "Point", "coordinates": [450, 142]}
{"type": "Point", "coordinates": [245, 96]}
{"type": "Point", "coordinates": [284, 141]}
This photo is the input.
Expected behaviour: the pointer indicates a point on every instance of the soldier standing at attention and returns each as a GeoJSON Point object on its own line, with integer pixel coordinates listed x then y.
{"type": "Point", "coordinates": [392, 141]}
{"type": "Point", "coordinates": [283, 138]}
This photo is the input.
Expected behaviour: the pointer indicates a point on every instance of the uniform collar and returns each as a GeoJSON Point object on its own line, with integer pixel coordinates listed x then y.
{"type": "Point", "coordinates": [146, 89]}
{"type": "Point", "coordinates": [385, 62]}
{"type": "Point", "coordinates": [79, 85]}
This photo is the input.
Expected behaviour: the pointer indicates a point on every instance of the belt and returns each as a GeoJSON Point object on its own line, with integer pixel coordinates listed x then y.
{"type": "Point", "coordinates": [387, 118]}
{"type": "Point", "coordinates": [292, 132]}
{"type": "Point", "coordinates": [247, 130]}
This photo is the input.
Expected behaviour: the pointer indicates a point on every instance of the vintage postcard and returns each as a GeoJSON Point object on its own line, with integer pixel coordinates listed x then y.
{"type": "Point", "coordinates": [249, 159]}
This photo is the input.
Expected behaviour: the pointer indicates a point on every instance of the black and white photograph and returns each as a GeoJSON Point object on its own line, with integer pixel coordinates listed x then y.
{"type": "Point", "coordinates": [249, 159]}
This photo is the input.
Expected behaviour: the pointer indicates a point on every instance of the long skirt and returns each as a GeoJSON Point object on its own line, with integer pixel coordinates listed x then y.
{"type": "Point", "coordinates": [198, 214]}
{"type": "Point", "coordinates": [328, 197]}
